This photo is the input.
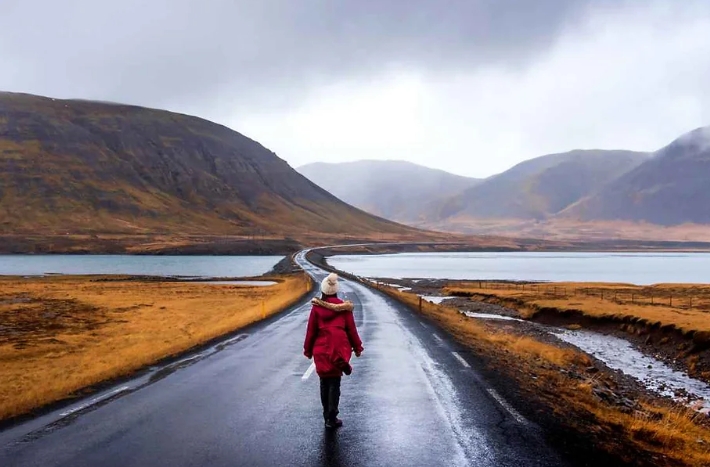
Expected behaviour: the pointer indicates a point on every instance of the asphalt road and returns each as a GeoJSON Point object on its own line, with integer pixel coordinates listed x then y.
{"type": "Point", "coordinates": [413, 400]}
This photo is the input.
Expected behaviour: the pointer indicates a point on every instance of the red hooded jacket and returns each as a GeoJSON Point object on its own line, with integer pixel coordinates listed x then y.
{"type": "Point", "coordinates": [330, 339]}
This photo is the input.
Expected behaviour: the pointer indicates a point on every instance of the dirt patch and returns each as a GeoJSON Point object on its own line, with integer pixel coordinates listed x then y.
{"type": "Point", "coordinates": [27, 321]}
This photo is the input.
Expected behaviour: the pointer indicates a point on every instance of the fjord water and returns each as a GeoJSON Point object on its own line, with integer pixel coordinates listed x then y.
{"type": "Point", "coordinates": [190, 266]}
{"type": "Point", "coordinates": [635, 268]}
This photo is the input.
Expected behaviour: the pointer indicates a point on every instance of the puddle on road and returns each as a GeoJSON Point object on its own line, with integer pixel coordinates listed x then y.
{"type": "Point", "coordinates": [619, 354]}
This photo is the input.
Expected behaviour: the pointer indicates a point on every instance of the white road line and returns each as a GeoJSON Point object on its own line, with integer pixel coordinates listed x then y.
{"type": "Point", "coordinates": [309, 372]}
{"type": "Point", "coordinates": [520, 419]}
{"type": "Point", "coordinates": [424, 325]}
{"type": "Point", "coordinates": [436, 336]}
{"type": "Point", "coordinates": [94, 401]}
{"type": "Point", "coordinates": [460, 359]}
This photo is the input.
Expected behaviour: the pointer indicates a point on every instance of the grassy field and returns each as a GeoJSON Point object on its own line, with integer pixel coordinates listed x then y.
{"type": "Point", "coordinates": [659, 433]}
{"type": "Point", "coordinates": [59, 335]}
{"type": "Point", "coordinates": [684, 306]}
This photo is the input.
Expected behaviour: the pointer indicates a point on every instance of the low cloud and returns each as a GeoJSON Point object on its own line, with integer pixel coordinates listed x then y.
{"type": "Point", "coordinates": [468, 86]}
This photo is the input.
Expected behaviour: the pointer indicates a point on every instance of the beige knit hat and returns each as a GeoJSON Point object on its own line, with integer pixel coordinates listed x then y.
{"type": "Point", "coordinates": [329, 286]}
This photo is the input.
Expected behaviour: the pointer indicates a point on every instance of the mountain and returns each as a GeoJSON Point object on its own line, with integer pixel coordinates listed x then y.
{"type": "Point", "coordinates": [541, 187]}
{"type": "Point", "coordinates": [396, 190]}
{"type": "Point", "coordinates": [671, 188]}
{"type": "Point", "coordinates": [82, 167]}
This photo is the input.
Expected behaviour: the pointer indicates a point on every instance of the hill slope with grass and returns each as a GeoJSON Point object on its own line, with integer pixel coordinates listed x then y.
{"type": "Point", "coordinates": [396, 190]}
{"type": "Point", "coordinates": [81, 167]}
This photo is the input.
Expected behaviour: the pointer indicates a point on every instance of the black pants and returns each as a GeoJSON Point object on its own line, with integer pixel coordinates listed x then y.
{"type": "Point", "coordinates": [330, 397]}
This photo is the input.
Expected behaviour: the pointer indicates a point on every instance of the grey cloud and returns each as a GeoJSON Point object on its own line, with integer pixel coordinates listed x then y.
{"type": "Point", "coordinates": [192, 53]}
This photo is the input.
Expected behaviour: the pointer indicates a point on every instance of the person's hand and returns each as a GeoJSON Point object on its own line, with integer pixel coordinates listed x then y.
{"type": "Point", "coordinates": [357, 354]}
{"type": "Point", "coordinates": [308, 356]}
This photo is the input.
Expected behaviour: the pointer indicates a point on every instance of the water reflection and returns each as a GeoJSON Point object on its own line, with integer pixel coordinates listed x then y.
{"type": "Point", "coordinates": [330, 451]}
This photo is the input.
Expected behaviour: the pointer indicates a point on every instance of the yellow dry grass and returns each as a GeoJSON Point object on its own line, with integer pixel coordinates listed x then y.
{"type": "Point", "coordinates": [59, 335]}
{"type": "Point", "coordinates": [685, 306]}
{"type": "Point", "coordinates": [669, 434]}
{"type": "Point", "coordinates": [461, 326]}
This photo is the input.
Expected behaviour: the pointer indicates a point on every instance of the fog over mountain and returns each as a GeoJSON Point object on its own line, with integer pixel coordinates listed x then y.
{"type": "Point", "coordinates": [472, 87]}
{"type": "Point", "coordinates": [573, 194]}
{"type": "Point", "coordinates": [671, 188]}
{"type": "Point", "coordinates": [533, 189]}
{"type": "Point", "coordinates": [396, 190]}
{"type": "Point", "coordinates": [543, 186]}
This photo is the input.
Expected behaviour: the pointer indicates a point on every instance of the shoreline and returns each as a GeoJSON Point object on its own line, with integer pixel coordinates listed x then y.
{"type": "Point", "coordinates": [188, 245]}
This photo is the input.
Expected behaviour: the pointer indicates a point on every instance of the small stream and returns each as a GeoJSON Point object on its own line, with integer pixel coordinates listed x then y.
{"type": "Point", "coordinates": [620, 354]}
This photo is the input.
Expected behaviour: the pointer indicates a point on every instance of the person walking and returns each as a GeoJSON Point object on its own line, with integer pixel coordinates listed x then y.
{"type": "Point", "coordinates": [331, 337]}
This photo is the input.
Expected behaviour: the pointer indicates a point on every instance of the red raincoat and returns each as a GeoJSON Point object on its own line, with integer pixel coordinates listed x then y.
{"type": "Point", "coordinates": [331, 337]}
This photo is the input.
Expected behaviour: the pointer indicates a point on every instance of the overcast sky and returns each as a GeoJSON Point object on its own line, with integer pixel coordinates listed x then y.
{"type": "Point", "coordinates": [472, 87]}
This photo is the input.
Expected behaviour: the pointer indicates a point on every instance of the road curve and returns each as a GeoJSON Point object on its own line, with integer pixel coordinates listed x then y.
{"type": "Point", "coordinates": [413, 399]}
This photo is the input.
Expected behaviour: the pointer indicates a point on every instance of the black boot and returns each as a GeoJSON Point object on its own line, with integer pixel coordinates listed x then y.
{"type": "Point", "coordinates": [334, 423]}
{"type": "Point", "coordinates": [330, 398]}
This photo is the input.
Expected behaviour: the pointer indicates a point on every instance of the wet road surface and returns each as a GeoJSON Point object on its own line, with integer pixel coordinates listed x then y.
{"type": "Point", "coordinates": [413, 399]}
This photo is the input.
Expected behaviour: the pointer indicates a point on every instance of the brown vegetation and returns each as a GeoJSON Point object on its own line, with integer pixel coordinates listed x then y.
{"type": "Point", "coordinates": [655, 432]}
{"type": "Point", "coordinates": [62, 334]}
{"type": "Point", "coordinates": [572, 229]}
{"type": "Point", "coordinates": [685, 307]}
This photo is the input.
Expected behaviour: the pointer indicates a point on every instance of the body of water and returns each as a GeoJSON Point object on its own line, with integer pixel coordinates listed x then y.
{"type": "Point", "coordinates": [636, 268]}
{"type": "Point", "coordinates": [190, 266]}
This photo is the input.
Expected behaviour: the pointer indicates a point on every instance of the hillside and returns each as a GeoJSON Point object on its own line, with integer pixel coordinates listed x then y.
{"type": "Point", "coordinates": [671, 188]}
{"type": "Point", "coordinates": [79, 167]}
{"type": "Point", "coordinates": [396, 190]}
{"type": "Point", "coordinates": [541, 187]}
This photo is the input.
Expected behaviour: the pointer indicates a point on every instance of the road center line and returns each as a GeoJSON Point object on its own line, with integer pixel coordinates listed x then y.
{"type": "Point", "coordinates": [436, 336]}
{"type": "Point", "coordinates": [461, 359]}
{"type": "Point", "coordinates": [519, 418]}
{"type": "Point", "coordinates": [309, 371]}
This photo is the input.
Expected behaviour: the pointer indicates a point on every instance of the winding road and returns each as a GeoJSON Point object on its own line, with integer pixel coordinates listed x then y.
{"type": "Point", "coordinates": [413, 400]}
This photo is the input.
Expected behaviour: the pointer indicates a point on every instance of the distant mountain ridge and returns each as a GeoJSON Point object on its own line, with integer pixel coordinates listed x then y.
{"type": "Point", "coordinates": [542, 187]}
{"type": "Point", "coordinates": [671, 188]}
{"type": "Point", "coordinates": [535, 189]}
{"type": "Point", "coordinates": [75, 166]}
{"type": "Point", "coordinates": [397, 190]}
{"type": "Point", "coordinates": [578, 194]}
